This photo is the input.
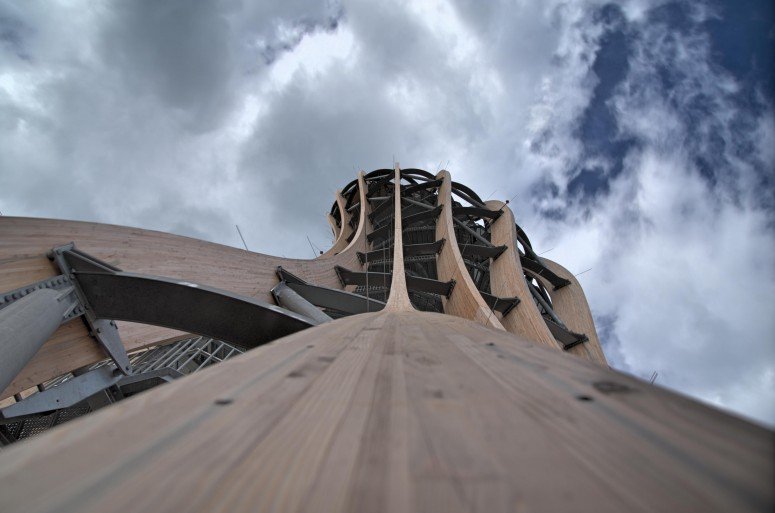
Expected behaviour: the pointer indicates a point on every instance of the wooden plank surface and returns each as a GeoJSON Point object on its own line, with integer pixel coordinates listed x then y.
{"type": "Point", "coordinates": [570, 304]}
{"type": "Point", "coordinates": [398, 300]}
{"type": "Point", "coordinates": [507, 280]}
{"type": "Point", "coordinates": [344, 231]}
{"type": "Point", "coordinates": [397, 411]}
{"type": "Point", "coordinates": [465, 301]}
{"type": "Point", "coordinates": [24, 243]}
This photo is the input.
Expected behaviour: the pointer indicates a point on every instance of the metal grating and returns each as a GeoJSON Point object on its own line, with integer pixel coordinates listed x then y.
{"type": "Point", "coordinates": [184, 356]}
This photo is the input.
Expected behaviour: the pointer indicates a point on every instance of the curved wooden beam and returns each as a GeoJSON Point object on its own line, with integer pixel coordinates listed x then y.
{"type": "Point", "coordinates": [334, 228]}
{"type": "Point", "coordinates": [340, 232]}
{"type": "Point", "coordinates": [358, 242]}
{"type": "Point", "coordinates": [465, 300]}
{"type": "Point", "coordinates": [399, 295]}
{"type": "Point", "coordinates": [571, 306]}
{"type": "Point", "coordinates": [507, 280]}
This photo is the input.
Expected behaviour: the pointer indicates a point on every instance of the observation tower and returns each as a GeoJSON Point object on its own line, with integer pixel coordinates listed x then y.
{"type": "Point", "coordinates": [430, 360]}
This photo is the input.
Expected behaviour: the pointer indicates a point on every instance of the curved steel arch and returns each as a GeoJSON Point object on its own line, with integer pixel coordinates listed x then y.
{"type": "Point", "coordinates": [187, 306]}
{"type": "Point", "coordinates": [413, 171]}
{"type": "Point", "coordinates": [467, 194]}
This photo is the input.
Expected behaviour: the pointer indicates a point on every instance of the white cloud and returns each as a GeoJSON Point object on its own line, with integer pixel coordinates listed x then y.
{"type": "Point", "coordinates": [681, 248]}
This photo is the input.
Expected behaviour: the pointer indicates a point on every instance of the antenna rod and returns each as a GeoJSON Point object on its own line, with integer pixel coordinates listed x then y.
{"type": "Point", "coordinates": [241, 237]}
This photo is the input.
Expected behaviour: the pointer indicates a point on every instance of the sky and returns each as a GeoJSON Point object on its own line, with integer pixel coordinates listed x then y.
{"type": "Point", "coordinates": [634, 138]}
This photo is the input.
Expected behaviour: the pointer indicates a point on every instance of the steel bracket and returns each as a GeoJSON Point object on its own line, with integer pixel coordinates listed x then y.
{"type": "Point", "coordinates": [71, 261]}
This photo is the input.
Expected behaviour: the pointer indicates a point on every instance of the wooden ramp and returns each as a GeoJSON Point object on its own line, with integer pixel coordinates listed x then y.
{"type": "Point", "coordinates": [397, 411]}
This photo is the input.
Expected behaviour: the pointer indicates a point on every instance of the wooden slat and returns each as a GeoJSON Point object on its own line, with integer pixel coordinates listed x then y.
{"type": "Point", "coordinates": [334, 228]}
{"type": "Point", "coordinates": [465, 300]}
{"type": "Point", "coordinates": [507, 280]}
{"type": "Point", "coordinates": [343, 231]}
{"type": "Point", "coordinates": [399, 295]}
{"type": "Point", "coordinates": [358, 242]}
{"type": "Point", "coordinates": [570, 305]}
{"type": "Point", "coordinates": [397, 411]}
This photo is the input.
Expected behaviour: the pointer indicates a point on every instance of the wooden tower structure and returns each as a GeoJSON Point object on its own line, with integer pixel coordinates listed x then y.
{"type": "Point", "coordinates": [430, 360]}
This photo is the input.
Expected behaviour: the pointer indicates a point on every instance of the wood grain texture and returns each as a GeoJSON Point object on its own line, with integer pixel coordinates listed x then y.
{"type": "Point", "coordinates": [465, 300]}
{"type": "Point", "coordinates": [344, 231]}
{"type": "Point", "coordinates": [334, 228]}
{"type": "Point", "coordinates": [397, 412]}
{"type": "Point", "coordinates": [24, 243]}
{"type": "Point", "coordinates": [398, 300]}
{"type": "Point", "coordinates": [507, 280]}
{"type": "Point", "coordinates": [570, 304]}
{"type": "Point", "coordinates": [359, 242]}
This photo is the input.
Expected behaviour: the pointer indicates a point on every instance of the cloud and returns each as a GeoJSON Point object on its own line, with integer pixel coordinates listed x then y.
{"type": "Point", "coordinates": [181, 53]}
{"type": "Point", "coordinates": [678, 223]}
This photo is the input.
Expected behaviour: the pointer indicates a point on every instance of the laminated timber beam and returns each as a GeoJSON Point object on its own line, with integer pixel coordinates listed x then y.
{"type": "Point", "coordinates": [507, 279]}
{"type": "Point", "coordinates": [571, 305]}
{"type": "Point", "coordinates": [335, 229]}
{"type": "Point", "coordinates": [465, 301]}
{"type": "Point", "coordinates": [576, 335]}
{"type": "Point", "coordinates": [397, 411]}
{"type": "Point", "coordinates": [345, 229]}
{"type": "Point", "coordinates": [398, 300]}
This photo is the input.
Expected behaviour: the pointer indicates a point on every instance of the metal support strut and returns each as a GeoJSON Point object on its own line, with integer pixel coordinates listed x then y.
{"type": "Point", "coordinates": [26, 324]}
{"type": "Point", "coordinates": [101, 293]}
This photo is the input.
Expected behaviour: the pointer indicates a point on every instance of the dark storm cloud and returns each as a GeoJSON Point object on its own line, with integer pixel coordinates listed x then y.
{"type": "Point", "coordinates": [182, 52]}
